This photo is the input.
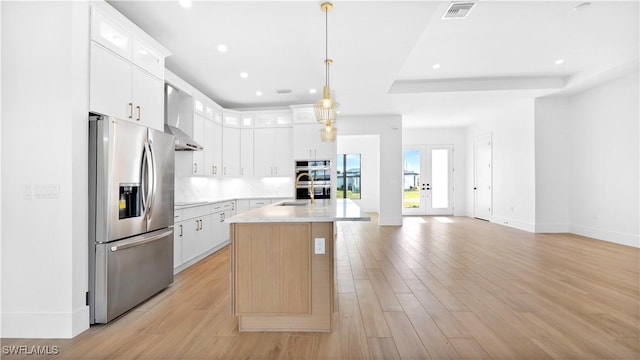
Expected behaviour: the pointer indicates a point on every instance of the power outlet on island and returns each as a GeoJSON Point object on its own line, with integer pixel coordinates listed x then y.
{"type": "Point", "coordinates": [318, 246]}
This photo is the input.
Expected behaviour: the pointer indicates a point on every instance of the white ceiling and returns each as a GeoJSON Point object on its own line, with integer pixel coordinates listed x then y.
{"type": "Point", "coordinates": [383, 52]}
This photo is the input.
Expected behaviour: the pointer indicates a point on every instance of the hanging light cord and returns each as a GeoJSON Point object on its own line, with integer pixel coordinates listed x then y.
{"type": "Point", "coordinates": [326, 42]}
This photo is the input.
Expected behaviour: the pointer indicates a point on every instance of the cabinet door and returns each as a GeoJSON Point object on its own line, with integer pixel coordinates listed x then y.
{"type": "Point", "coordinates": [283, 152]}
{"type": "Point", "coordinates": [148, 100]}
{"type": "Point", "coordinates": [111, 35]}
{"type": "Point", "coordinates": [323, 150]}
{"type": "Point", "coordinates": [303, 141]}
{"type": "Point", "coordinates": [109, 84]}
{"type": "Point", "coordinates": [231, 151]}
{"type": "Point", "coordinates": [145, 57]}
{"type": "Point", "coordinates": [246, 152]}
{"type": "Point", "coordinates": [198, 166]}
{"type": "Point", "coordinates": [191, 244]}
{"type": "Point", "coordinates": [263, 152]}
{"type": "Point", "coordinates": [178, 234]}
{"type": "Point", "coordinates": [213, 148]}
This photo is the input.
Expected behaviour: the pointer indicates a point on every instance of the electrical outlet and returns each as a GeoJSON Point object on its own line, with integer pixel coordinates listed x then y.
{"type": "Point", "coordinates": [319, 246]}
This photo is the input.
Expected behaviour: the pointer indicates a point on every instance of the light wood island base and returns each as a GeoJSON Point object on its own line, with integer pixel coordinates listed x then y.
{"type": "Point", "coordinates": [278, 282]}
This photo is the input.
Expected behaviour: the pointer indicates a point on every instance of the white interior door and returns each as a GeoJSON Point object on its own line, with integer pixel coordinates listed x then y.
{"type": "Point", "coordinates": [428, 180]}
{"type": "Point", "coordinates": [483, 177]}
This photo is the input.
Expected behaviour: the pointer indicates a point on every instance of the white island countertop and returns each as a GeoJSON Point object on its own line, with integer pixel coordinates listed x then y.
{"type": "Point", "coordinates": [321, 210]}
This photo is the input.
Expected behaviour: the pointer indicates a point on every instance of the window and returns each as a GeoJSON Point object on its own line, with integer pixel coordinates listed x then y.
{"type": "Point", "coordinates": [348, 169]}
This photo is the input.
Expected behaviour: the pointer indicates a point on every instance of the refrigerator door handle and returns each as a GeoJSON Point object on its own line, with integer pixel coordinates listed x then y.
{"type": "Point", "coordinates": [139, 240]}
{"type": "Point", "coordinates": [152, 179]}
{"type": "Point", "coordinates": [147, 187]}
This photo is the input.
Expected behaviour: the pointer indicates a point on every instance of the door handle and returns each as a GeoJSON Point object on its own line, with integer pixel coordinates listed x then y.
{"type": "Point", "coordinates": [180, 230]}
{"type": "Point", "coordinates": [130, 110]}
{"type": "Point", "coordinates": [139, 240]}
{"type": "Point", "coordinates": [138, 108]}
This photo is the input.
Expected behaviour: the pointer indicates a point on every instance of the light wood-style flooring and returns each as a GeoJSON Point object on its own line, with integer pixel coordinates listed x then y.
{"type": "Point", "coordinates": [435, 288]}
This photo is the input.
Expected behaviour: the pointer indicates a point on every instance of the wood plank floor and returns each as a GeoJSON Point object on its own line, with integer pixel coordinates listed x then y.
{"type": "Point", "coordinates": [435, 288]}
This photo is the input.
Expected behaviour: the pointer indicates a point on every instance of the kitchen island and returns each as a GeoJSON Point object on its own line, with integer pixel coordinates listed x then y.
{"type": "Point", "coordinates": [282, 264]}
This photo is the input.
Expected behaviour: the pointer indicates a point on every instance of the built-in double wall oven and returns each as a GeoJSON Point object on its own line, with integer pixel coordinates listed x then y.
{"type": "Point", "coordinates": [320, 172]}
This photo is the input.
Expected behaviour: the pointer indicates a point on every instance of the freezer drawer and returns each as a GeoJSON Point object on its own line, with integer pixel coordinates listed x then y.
{"type": "Point", "coordinates": [130, 271]}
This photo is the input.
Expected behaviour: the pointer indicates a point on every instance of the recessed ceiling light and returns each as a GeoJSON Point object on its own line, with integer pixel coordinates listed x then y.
{"type": "Point", "coordinates": [244, 75]}
{"type": "Point", "coordinates": [559, 62]}
{"type": "Point", "coordinates": [312, 91]}
{"type": "Point", "coordinates": [185, 3]}
{"type": "Point", "coordinates": [258, 93]}
{"type": "Point", "coordinates": [222, 48]}
{"type": "Point", "coordinates": [436, 66]}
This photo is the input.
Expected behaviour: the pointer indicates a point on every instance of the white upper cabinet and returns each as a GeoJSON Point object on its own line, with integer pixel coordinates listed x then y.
{"type": "Point", "coordinates": [147, 58]}
{"type": "Point", "coordinates": [272, 155]}
{"type": "Point", "coordinates": [148, 99]}
{"type": "Point", "coordinates": [110, 84]}
{"type": "Point", "coordinates": [231, 144]}
{"type": "Point", "coordinates": [307, 144]}
{"type": "Point", "coordinates": [198, 167]}
{"type": "Point", "coordinates": [110, 35]}
{"type": "Point", "coordinates": [246, 145]}
{"type": "Point", "coordinates": [273, 119]}
{"type": "Point", "coordinates": [126, 70]}
{"type": "Point", "coordinates": [213, 148]}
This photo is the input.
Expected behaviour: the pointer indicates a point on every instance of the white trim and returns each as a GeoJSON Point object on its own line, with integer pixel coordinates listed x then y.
{"type": "Point", "coordinates": [530, 227]}
{"type": "Point", "coordinates": [45, 325]}
{"type": "Point", "coordinates": [553, 228]}
{"type": "Point", "coordinates": [390, 221]}
{"type": "Point", "coordinates": [607, 235]}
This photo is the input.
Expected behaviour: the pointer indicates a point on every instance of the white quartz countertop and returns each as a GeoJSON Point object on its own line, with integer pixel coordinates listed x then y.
{"type": "Point", "coordinates": [179, 205]}
{"type": "Point", "coordinates": [322, 210]}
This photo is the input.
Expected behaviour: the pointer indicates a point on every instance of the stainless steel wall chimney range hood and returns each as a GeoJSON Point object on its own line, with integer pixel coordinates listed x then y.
{"type": "Point", "coordinates": [172, 119]}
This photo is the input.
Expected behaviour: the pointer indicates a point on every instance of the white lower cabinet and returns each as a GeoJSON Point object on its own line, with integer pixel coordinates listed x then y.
{"type": "Point", "coordinates": [197, 237]}
{"type": "Point", "coordinates": [200, 231]}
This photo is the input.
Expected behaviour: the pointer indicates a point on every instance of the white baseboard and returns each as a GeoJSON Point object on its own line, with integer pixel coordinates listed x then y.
{"type": "Point", "coordinates": [553, 228]}
{"type": "Point", "coordinates": [607, 235]}
{"type": "Point", "coordinates": [390, 220]}
{"type": "Point", "coordinates": [513, 223]}
{"type": "Point", "coordinates": [189, 263]}
{"type": "Point", "coordinates": [45, 325]}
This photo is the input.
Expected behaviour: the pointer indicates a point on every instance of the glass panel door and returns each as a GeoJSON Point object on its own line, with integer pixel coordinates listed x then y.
{"type": "Point", "coordinates": [439, 180]}
{"type": "Point", "coordinates": [413, 195]}
{"type": "Point", "coordinates": [428, 180]}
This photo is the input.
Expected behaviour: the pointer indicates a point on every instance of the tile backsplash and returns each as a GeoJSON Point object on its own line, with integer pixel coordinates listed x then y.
{"type": "Point", "coordinates": [211, 189]}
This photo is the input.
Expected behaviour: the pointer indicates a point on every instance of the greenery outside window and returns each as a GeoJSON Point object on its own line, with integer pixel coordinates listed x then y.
{"type": "Point", "coordinates": [348, 169]}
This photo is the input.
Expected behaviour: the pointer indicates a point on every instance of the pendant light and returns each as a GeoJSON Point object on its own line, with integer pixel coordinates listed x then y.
{"type": "Point", "coordinates": [326, 108]}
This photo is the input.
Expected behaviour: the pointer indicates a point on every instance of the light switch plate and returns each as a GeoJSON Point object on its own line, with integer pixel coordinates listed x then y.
{"type": "Point", "coordinates": [319, 246]}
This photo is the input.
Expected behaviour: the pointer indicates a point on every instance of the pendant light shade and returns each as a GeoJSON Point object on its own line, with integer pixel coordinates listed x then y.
{"type": "Point", "coordinates": [328, 133]}
{"type": "Point", "coordinates": [326, 108]}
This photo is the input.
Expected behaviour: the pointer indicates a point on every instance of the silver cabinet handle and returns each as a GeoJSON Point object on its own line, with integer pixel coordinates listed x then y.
{"type": "Point", "coordinates": [138, 107]}
{"type": "Point", "coordinates": [213, 169]}
{"type": "Point", "coordinates": [130, 110]}
{"type": "Point", "coordinates": [180, 230]}
{"type": "Point", "coordinates": [195, 168]}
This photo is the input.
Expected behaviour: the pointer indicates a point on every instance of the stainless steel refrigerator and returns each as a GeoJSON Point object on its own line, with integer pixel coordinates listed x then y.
{"type": "Point", "coordinates": [131, 185]}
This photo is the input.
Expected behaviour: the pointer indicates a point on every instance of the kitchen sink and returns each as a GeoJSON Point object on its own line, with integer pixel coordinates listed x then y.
{"type": "Point", "coordinates": [294, 203]}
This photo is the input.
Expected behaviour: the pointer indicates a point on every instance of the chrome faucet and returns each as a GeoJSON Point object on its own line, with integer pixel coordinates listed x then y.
{"type": "Point", "coordinates": [311, 192]}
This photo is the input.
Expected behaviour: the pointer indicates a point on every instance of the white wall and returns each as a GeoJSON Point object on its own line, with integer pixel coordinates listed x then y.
{"type": "Point", "coordinates": [45, 103]}
{"type": "Point", "coordinates": [603, 166]}
{"type": "Point", "coordinates": [388, 128]}
{"type": "Point", "coordinates": [513, 165]}
{"type": "Point", "coordinates": [452, 136]}
{"type": "Point", "coordinates": [552, 164]}
{"type": "Point", "coordinates": [368, 146]}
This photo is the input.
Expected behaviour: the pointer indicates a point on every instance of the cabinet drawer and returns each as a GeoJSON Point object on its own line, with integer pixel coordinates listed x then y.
{"type": "Point", "coordinates": [197, 211]}
{"type": "Point", "coordinates": [255, 203]}
{"type": "Point", "coordinates": [177, 216]}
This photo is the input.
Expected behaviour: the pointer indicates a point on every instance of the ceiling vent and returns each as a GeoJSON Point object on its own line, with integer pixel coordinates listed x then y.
{"type": "Point", "coordinates": [284, 91]}
{"type": "Point", "coordinates": [458, 10]}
